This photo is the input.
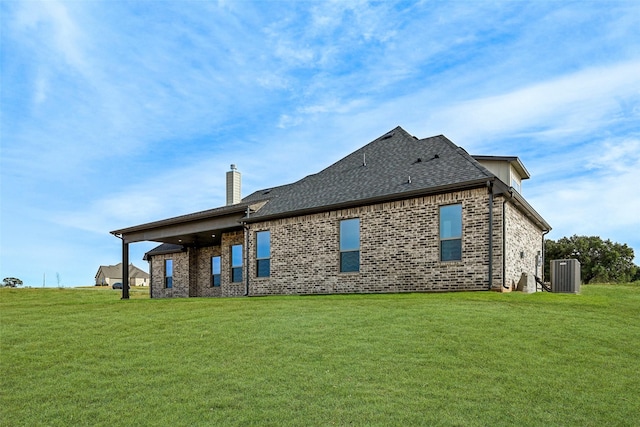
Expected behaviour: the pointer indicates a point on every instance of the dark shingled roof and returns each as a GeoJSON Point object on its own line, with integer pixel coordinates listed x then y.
{"type": "Point", "coordinates": [395, 165]}
{"type": "Point", "coordinates": [164, 248]}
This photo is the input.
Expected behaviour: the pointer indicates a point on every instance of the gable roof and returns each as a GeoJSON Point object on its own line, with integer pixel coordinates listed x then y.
{"type": "Point", "coordinates": [512, 160]}
{"type": "Point", "coordinates": [393, 166]}
{"type": "Point", "coordinates": [115, 271]}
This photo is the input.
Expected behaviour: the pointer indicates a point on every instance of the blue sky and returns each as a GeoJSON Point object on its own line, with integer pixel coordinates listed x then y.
{"type": "Point", "coordinates": [117, 113]}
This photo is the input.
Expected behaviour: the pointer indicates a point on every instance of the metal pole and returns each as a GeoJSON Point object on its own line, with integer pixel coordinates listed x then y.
{"type": "Point", "coordinates": [125, 269]}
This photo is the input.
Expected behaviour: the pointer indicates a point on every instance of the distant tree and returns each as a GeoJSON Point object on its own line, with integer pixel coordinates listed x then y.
{"type": "Point", "coordinates": [600, 260]}
{"type": "Point", "coordinates": [11, 282]}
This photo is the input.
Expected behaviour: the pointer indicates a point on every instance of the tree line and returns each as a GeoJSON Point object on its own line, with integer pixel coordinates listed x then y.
{"type": "Point", "coordinates": [601, 261]}
{"type": "Point", "coordinates": [11, 282]}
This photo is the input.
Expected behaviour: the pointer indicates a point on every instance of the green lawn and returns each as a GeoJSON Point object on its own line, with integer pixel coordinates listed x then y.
{"type": "Point", "coordinates": [84, 357]}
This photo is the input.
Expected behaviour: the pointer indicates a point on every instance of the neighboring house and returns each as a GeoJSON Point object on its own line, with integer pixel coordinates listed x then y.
{"type": "Point", "coordinates": [107, 275]}
{"type": "Point", "coordinates": [400, 214]}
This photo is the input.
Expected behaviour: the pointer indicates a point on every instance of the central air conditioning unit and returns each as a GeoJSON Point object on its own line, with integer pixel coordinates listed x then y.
{"type": "Point", "coordinates": [565, 276]}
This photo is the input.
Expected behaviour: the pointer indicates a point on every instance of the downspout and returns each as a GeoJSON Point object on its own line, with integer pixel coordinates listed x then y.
{"type": "Point", "coordinates": [490, 187]}
{"type": "Point", "coordinates": [542, 260]}
{"type": "Point", "coordinates": [245, 227]}
{"type": "Point", "coordinates": [150, 278]}
{"type": "Point", "coordinates": [504, 244]}
{"type": "Point", "coordinates": [509, 196]}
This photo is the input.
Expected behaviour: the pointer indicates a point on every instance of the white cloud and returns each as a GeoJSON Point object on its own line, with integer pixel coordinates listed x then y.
{"type": "Point", "coordinates": [61, 30]}
{"type": "Point", "coordinates": [286, 121]}
{"type": "Point", "coordinates": [41, 89]}
{"type": "Point", "coordinates": [617, 156]}
{"type": "Point", "coordinates": [67, 35]}
{"type": "Point", "coordinates": [295, 55]}
{"type": "Point", "coordinates": [576, 103]}
{"type": "Point", "coordinates": [591, 191]}
{"type": "Point", "coordinates": [594, 205]}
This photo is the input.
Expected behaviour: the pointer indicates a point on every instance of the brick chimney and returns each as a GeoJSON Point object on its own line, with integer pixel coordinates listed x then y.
{"type": "Point", "coordinates": [233, 186]}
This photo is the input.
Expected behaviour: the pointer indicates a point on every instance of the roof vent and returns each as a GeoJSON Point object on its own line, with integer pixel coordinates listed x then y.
{"type": "Point", "coordinates": [418, 161]}
{"type": "Point", "coordinates": [387, 136]}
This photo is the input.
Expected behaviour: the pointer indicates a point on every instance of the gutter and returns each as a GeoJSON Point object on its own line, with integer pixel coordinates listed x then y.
{"type": "Point", "coordinates": [165, 252]}
{"type": "Point", "coordinates": [528, 210]}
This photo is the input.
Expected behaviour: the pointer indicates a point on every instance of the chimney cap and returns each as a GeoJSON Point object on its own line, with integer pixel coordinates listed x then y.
{"type": "Point", "coordinates": [233, 167]}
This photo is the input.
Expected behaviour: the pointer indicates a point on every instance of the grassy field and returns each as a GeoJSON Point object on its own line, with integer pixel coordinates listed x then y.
{"type": "Point", "coordinates": [84, 357]}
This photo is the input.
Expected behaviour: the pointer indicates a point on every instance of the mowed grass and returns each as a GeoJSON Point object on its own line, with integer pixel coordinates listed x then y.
{"type": "Point", "coordinates": [84, 357]}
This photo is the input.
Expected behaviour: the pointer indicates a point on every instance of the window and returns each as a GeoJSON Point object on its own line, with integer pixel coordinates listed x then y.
{"type": "Point", "coordinates": [168, 273]}
{"type": "Point", "coordinates": [515, 183]}
{"type": "Point", "coordinates": [236, 263]}
{"type": "Point", "coordinates": [350, 245]}
{"type": "Point", "coordinates": [451, 233]}
{"type": "Point", "coordinates": [215, 271]}
{"type": "Point", "coordinates": [263, 254]}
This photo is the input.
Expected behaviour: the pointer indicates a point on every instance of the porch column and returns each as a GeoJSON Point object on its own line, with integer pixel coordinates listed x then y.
{"type": "Point", "coordinates": [125, 269]}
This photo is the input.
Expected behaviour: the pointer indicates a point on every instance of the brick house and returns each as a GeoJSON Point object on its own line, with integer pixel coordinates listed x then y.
{"type": "Point", "coordinates": [400, 214]}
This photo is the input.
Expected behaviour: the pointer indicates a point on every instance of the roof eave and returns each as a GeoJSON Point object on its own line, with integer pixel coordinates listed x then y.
{"type": "Point", "coordinates": [198, 216]}
{"type": "Point", "coordinates": [147, 256]}
{"type": "Point", "coordinates": [374, 200]}
{"type": "Point", "coordinates": [519, 167]}
{"type": "Point", "coordinates": [529, 211]}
